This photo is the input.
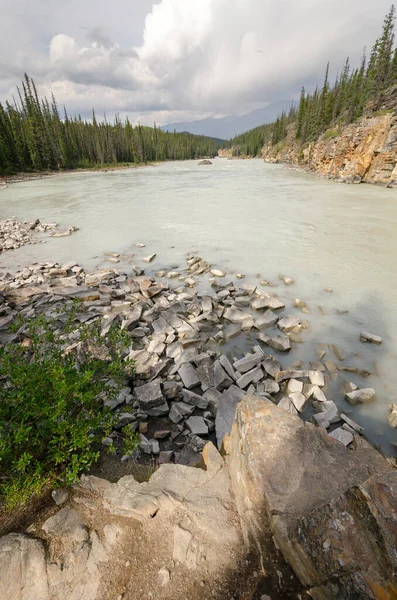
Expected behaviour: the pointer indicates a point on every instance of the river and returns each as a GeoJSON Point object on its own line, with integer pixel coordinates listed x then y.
{"type": "Point", "coordinates": [249, 217]}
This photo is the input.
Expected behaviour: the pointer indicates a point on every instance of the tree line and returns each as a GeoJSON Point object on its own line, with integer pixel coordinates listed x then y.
{"type": "Point", "coordinates": [34, 137]}
{"type": "Point", "coordinates": [330, 107]}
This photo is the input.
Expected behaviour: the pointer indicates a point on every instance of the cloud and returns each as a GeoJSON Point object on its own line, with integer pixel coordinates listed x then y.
{"type": "Point", "coordinates": [183, 57]}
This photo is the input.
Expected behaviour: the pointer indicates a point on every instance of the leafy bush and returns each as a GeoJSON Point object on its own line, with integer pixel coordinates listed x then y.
{"type": "Point", "coordinates": [51, 408]}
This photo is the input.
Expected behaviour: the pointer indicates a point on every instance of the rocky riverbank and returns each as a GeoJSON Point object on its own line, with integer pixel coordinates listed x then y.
{"type": "Point", "coordinates": [187, 387]}
{"type": "Point", "coordinates": [362, 152]}
{"type": "Point", "coordinates": [213, 373]}
{"type": "Point", "coordinates": [14, 233]}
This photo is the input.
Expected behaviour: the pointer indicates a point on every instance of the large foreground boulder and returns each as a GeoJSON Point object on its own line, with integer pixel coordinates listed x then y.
{"type": "Point", "coordinates": [332, 510]}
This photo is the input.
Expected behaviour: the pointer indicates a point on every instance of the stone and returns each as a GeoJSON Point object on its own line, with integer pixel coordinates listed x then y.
{"type": "Point", "coordinates": [248, 362]}
{"type": "Point", "coordinates": [148, 259]}
{"type": "Point", "coordinates": [151, 400]}
{"type": "Point", "coordinates": [294, 386]}
{"type": "Point", "coordinates": [343, 436]}
{"type": "Point", "coordinates": [139, 245]}
{"type": "Point", "coordinates": [205, 162]}
{"type": "Point", "coordinates": [188, 375]}
{"type": "Point", "coordinates": [271, 387]}
{"type": "Point", "coordinates": [365, 336]}
{"type": "Point", "coordinates": [166, 457]}
{"type": "Point", "coordinates": [23, 568]}
{"type": "Point", "coordinates": [361, 396]}
{"type": "Point", "coordinates": [279, 342]}
{"type": "Point", "coordinates": [217, 273]}
{"type": "Point", "coordinates": [252, 376]}
{"type": "Point", "coordinates": [268, 319]}
{"type": "Point", "coordinates": [271, 365]}
{"type": "Point", "coordinates": [316, 378]}
{"type": "Point", "coordinates": [235, 316]}
{"type": "Point", "coordinates": [172, 389]}
{"type": "Point", "coordinates": [197, 425]}
{"type": "Point", "coordinates": [221, 378]}
{"type": "Point", "coordinates": [288, 405]}
{"type": "Point", "coordinates": [352, 423]}
{"type": "Point", "coordinates": [348, 386]}
{"type": "Point", "coordinates": [299, 401]}
{"type": "Point", "coordinates": [60, 496]}
{"type": "Point", "coordinates": [180, 410]}
{"type": "Point", "coordinates": [226, 411]}
{"type": "Point", "coordinates": [214, 397]}
{"type": "Point", "coordinates": [227, 366]}
{"type": "Point", "coordinates": [288, 323]}
{"type": "Point", "coordinates": [328, 413]}
{"type": "Point", "coordinates": [160, 326]}
{"type": "Point", "coordinates": [194, 399]}
{"type": "Point", "coordinates": [340, 355]}
{"type": "Point", "coordinates": [163, 577]}
{"type": "Point", "coordinates": [145, 444]}
{"type": "Point", "coordinates": [67, 525]}
{"type": "Point", "coordinates": [392, 416]}
{"type": "Point", "coordinates": [331, 366]}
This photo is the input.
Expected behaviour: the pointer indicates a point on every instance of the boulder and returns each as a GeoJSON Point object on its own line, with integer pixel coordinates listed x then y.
{"type": "Point", "coordinates": [205, 162]}
{"type": "Point", "coordinates": [362, 396]}
{"type": "Point", "coordinates": [23, 570]}
{"type": "Point", "coordinates": [289, 473]}
{"type": "Point", "coordinates": [226, 411]}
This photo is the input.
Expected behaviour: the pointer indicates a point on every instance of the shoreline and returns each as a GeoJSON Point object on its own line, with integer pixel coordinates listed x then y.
{"type": "Point", "coordinates": [25, 176]}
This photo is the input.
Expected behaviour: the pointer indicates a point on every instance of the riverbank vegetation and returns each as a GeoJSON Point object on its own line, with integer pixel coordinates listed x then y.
{"type": "Point", "coordinates": [34, 137]}
{"type": "Point", "coordinates": [355, 91]}
{"type": "Point", "coordinates": [52, 417]}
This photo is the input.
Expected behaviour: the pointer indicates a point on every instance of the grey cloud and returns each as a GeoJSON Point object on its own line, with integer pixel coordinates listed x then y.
{"type": "Point", "coordinates": [182, 57]}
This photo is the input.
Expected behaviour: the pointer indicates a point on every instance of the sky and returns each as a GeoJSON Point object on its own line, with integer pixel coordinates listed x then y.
{"type": "Point", "coordinates": [179, 60]}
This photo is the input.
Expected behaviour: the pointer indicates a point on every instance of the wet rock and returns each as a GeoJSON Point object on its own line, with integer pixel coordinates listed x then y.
{"type": "Point", "coordinates": [370, 337]}
{"type": "Point", "coordinates": [362, 396]}
{"type": "Point", "coordinates": [217, 273]}
{"type": "Point", "coordinates": [235, 316]}
{"type": "Point", "coordinates": [288, 323]}
{"type": "Point", "coordinates": [151, 400]}
{"type": "Point", "coordinates": [279, 342]}
{"type": "Point", "coordinates": [392, 416]}
{"type": "Point", "coordinates": [340, 355]}
{"type": "Point", "coordinates": [205, 162]}
{"type": "Point", "coordinates": [352, 424]}
{"type": "Point", "coordinates": [148, 259]}
{"type": "Point", "coordinates": [268, 319]}
{"type": "Point", "coordinates": [328, 413]}
{"type": "Point", "coordinates": [271, 387]}
{"type": "Point", "coordinates": [287, 280]}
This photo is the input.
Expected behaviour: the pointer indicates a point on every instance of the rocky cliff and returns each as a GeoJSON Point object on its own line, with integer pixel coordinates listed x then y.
{"type": "Point", "coordinates": [362, 152]}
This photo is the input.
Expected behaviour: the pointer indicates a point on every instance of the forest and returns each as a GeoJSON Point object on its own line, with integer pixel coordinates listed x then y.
{"type": "Point", "coordinates": [34, 137]}
{"type": "Point", "coordinates": [330, 107]}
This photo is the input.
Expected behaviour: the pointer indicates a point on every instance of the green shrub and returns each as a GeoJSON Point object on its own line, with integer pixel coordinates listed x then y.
{"type": "Point", "coordinates": [51, 404]}
{"type": "Point", "coordinates": [331, 133]}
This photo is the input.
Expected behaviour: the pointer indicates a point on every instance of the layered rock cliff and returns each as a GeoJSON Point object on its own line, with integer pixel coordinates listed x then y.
{"type": "Point", "coordinates": [361, 152]}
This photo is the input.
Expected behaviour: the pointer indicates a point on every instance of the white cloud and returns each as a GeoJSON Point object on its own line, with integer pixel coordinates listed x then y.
{"type": "Point", "coordinates": [185, 58]}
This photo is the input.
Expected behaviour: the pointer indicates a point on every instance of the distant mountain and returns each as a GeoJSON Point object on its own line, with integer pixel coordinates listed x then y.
{"type": "Point", "coordinates": [227, 127]}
